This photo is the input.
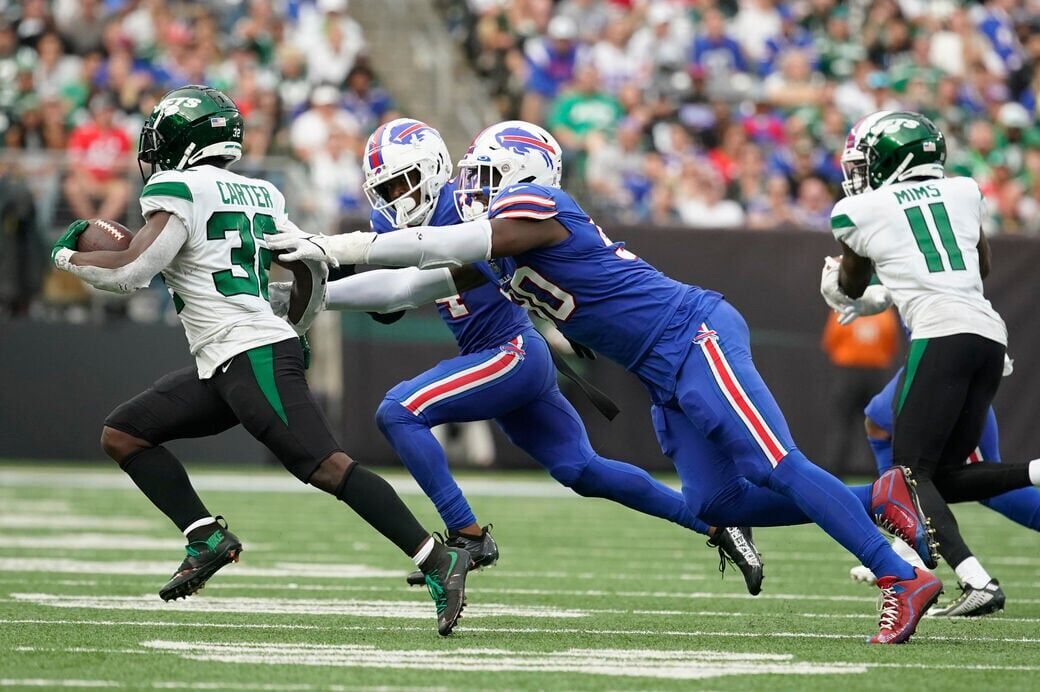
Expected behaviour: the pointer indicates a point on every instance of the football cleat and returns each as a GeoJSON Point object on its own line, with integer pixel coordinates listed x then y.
{"type": "Point", "coordinates": [203, 560]}
{"type": "Point", "coordinates": [447, 586]}
{"type": "Point", "coordinates": [483, 551]}
{"type": "Point", "coordinates": [902, 604]}
{"type": "Point", "coordinates": [895, 507]}
{"type": "Point", "coordinates": [862, 575]}
{"type": "Point", "coordinates": [973, 603]}
{"type": "Point", "coordinates": [737, 548]}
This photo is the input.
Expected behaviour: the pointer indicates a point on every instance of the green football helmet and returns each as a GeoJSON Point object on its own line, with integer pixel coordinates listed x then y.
{"type": "Point", "coordinates": [188, 125]}
{"type": "Point", "coordinates": [891, 146]}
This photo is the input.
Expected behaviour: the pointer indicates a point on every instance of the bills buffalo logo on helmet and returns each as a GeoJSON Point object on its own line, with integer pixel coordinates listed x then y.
{"type": "Point", "coordinates": [402, 133]}
{"type": "Point", "coordinates": [523, 142]}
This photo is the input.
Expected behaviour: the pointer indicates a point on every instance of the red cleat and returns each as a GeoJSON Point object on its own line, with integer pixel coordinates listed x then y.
{"type": "Point", "coordinates": [895, 508]}
{"type": "Point", "coordinates": [902, 605]}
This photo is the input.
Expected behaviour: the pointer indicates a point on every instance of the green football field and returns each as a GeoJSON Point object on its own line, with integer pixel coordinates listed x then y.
{"type": "Point", "coordinates": [587, 595]}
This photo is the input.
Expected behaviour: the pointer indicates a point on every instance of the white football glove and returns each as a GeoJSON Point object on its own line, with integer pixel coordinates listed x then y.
{"type": "Point", "coordinates": [1009, 365]}
{"type": "Point", "coordinates": [874, 300]}
{"type": "Point", "coordinates": [302, 246]}
{"type": "Point", "coordinates": [829, 288]}
{"type": "Point", "coordinates": [279, 293]}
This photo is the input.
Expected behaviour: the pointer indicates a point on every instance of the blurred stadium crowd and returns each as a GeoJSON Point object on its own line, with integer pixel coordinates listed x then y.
{"type": "Point", "coordinates": [733, 113]}
{"type": "Point", "coordinates": [686, 113]}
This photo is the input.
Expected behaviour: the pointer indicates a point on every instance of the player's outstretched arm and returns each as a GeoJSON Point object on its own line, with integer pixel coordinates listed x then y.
{"type": "Point", "coordinates": [426, 247]}
{"type": "Point", "coordinates": [390, 290]}
{"type": "Point", "coordinates": [124, 271]}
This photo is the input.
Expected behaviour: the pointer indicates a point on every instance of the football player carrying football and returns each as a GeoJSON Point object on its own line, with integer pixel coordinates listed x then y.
{"type": "Point", "coordinates": [504, 371]}
{"type": "Point", "coordinates": [206, 233]}
{"type": "Point", "coordinates": [921, 233]}
{"type": "Point", "coordinates": [713, 413]}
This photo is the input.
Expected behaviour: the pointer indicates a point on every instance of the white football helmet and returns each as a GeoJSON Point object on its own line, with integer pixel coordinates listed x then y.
{"type": "Point", "coordinates": [505, 154]}
{"type": "Point", "coordinates": [853, 160]}
{"type": "Point", "coordinates": [409, 148]}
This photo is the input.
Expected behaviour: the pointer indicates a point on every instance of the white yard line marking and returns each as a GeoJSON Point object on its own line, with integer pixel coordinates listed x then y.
{"type": "Point", "coordinates": [413, 610]}
{"type": "Point", "coordinates": [967, 639]}
{"type": "Point", "coordinates": [142, 567]}
{"type": "Point", "coordinates": [72, 521]}
{"type": "Point", "coordinates": [676, 665]}
{"type": "Point", "coordinates": [92, 541]}
{"type": "Point", "coordinates": [44, 682]}
{"type": "Point", "coordinates": [264, 483]}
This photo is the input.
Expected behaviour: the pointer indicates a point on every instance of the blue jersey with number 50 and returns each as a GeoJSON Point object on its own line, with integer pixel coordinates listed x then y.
{"type": "Point", "coordinates": [479, 318]}
{"type": "Point", "coordinates": [597, 292]}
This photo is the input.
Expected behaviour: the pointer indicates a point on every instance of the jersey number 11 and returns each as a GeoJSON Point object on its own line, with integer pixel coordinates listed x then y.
{"type": "Point", "coordinates": [941, 221]}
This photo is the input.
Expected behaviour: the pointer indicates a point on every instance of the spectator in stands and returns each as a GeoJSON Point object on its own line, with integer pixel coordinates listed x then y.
{"type": "Point", "coordinates": [96, 184]}
{"type": "Point", "coordinates": [310, 131]}
{"type": "Point", "coordinates": [584, 109]}
{"type": "Point", "coordinates": [615, 171]}
{"type": "Point", "coordinates": [701, 201]}
{"type": "Point", "coordinates": [790, 37]}
{"type": "Point", "coordinates": [331, 57]}
{"type": "Point", "coordinates": [81, 23]}
{"type": "Point", "coordinates": [55, 69]}
{"type": "Point", "coordinates": [609, 57]}
{"type": "Point", "coordinates": [366, 101]}
{"type": "Point", "coordinates": [813, 207]}
{"type": "Point", "coordinates": [773, 209]}
{"type": "Point", "coordinates": [714, 52]}
{"type": "Point", "coordinates": [335, 179]}
{"type": "Point", "coordinates": [550, 63]}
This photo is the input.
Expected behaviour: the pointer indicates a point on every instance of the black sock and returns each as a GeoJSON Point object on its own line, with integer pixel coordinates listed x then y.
{"type": "Point", "coordinates": [378, 504]}
{"type": "Point", "coordinates": [951, 545]}
{"type": "Point", "coordinates": [433, 559]}
{"type": "Point", "coordinates": [203, 532]}
{"type": "Point", "coordinates": [974, 482]}
{"type": "Point", "coordinates": [163, 480]}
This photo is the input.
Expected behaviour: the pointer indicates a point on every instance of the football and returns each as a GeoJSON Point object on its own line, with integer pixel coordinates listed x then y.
{"type": "Point", "coordinates": [103, 234]}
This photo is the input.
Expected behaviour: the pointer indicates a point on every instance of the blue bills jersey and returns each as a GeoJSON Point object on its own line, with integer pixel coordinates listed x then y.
{"type": "Point", "coordinates": [597, 292]}
{"type": "Point", "coordinates": [479, 318]}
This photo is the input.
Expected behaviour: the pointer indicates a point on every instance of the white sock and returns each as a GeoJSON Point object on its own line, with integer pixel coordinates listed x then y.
{"type": "Point", "coordinates": [1034, 472]}
{"type": "Point", "coordinates": [972, 572]}
{"type": "Point", "coordinates": [907, 553]}
{"type": "Point", "coordinates": [196, 524]}
{"type": "Point", "coordinates": [424, 552]}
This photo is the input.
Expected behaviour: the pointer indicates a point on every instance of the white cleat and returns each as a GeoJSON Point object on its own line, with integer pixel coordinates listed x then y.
{"type": "Point", "coordinates": [862, 575]}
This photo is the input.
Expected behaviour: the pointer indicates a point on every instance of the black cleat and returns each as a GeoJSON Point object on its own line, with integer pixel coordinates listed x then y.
{"type": "Point", "coordinates": [483, 552]}
{"type": "Point", "coordinates": [973, 603]}
{"type": "Point", "coordinates": [736, 547]}
{"type": "Point", "coordinates": [447, 586]}
{"type": "Point", "coordinates": [203, 560]}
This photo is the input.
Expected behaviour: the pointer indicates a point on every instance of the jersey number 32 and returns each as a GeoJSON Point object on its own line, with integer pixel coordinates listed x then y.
{"type": "Point", "coordinates": [255, 265]}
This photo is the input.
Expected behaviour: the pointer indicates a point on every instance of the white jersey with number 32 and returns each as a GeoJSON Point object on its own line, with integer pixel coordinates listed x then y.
{"type": "Point", "coordinates": [922, 237]}
{"type": "Point", "coordinates": [218, 279]}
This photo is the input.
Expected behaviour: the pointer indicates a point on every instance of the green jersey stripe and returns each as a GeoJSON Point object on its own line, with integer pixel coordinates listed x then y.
{"type": "Point", "coordinates": [171, 189]}
{"type": "Point", "coordinates": [841, 221]}
{"type": "Point", "coordinates": [913, 359]}
{"type": "Point", "coordinates": [262, 360]}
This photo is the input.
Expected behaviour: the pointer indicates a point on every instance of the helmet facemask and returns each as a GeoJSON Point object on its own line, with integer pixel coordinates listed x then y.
{"type": "Point", "coordinates": [480, 183]}
{"type": "Point", "coordinates": [148, 150]}
{"type": "Point", "coordinates": [402, 210]}
{"type": "Point", "coordinates": [854, 166]}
